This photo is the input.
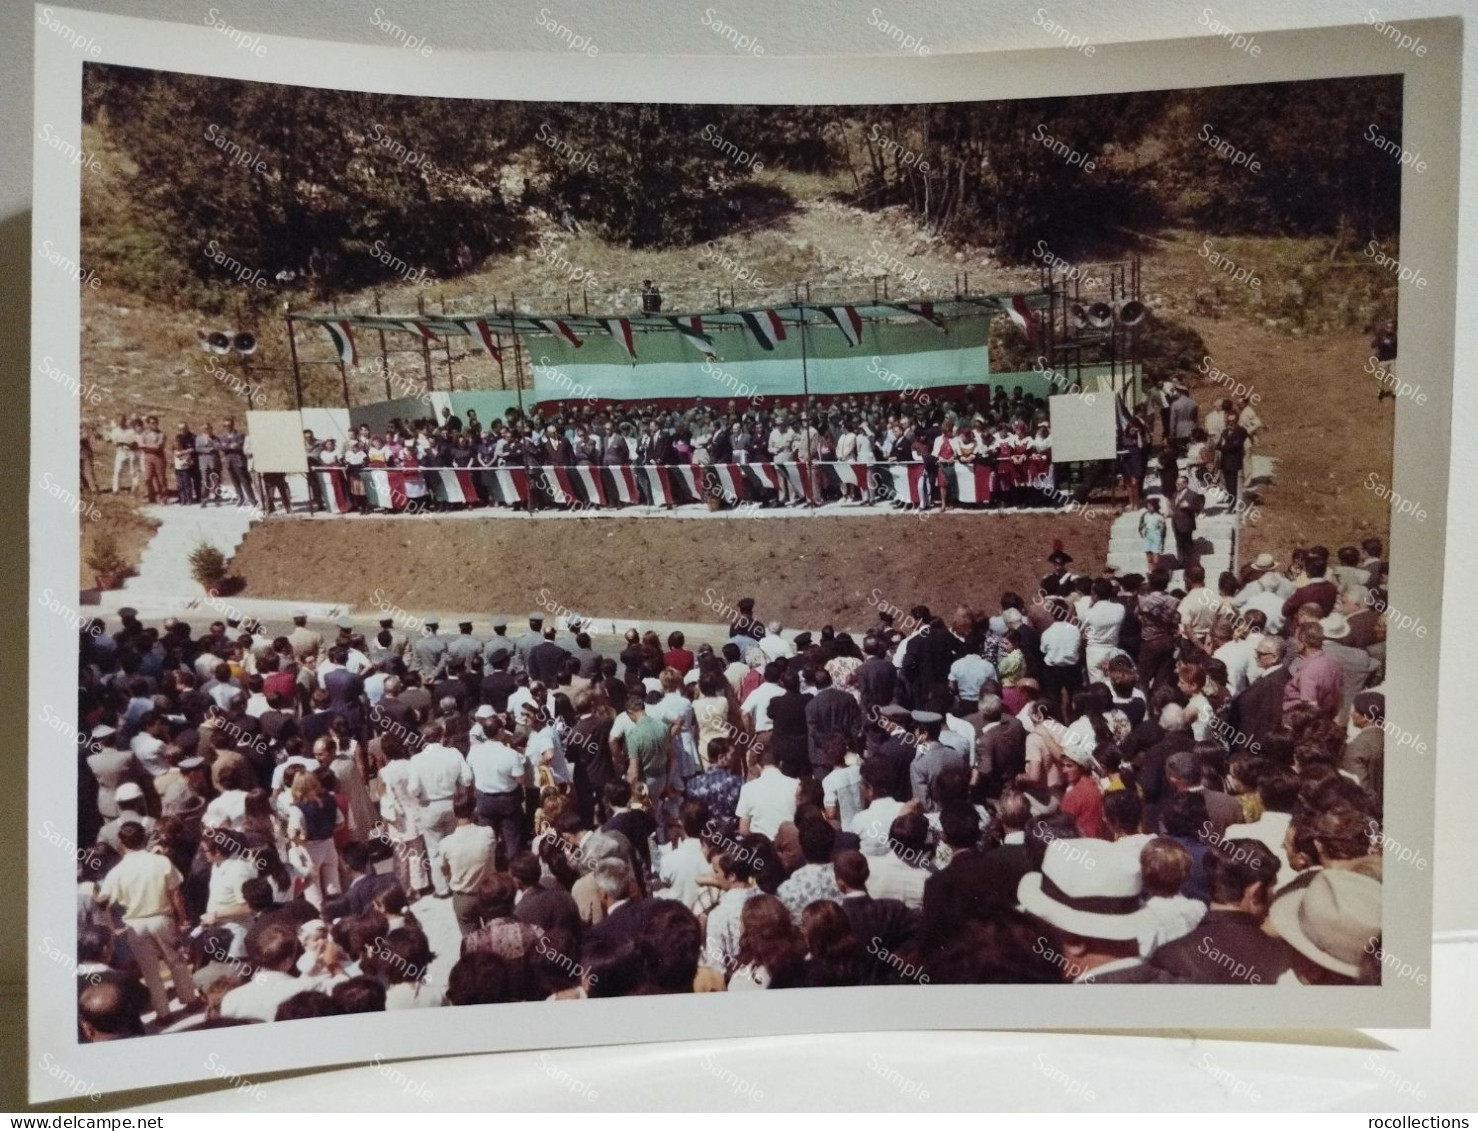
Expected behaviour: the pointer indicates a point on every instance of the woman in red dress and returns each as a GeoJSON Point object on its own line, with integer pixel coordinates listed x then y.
{"type": "Point", "coordinates": [1003, 448]}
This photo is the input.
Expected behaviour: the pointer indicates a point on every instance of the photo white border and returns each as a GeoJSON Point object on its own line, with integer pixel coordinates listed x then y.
{"type": "Point", "coordinates": [1422, 443]}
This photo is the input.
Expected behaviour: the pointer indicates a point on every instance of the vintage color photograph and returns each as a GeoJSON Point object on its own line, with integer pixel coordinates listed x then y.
{"type": "Point", "coordinates": [570, 550]}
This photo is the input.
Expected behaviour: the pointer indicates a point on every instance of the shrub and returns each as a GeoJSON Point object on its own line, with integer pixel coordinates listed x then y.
{"type": "Point", "coordinates": [104, 560]}
{"type": "Point", "coordinates": [208, 565]}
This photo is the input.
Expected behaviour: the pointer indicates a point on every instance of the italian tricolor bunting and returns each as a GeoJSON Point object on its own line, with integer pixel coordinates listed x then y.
{"type": "Point", "coordinates": [482, 337]}
{"type": "Point", "coordinates": [731, 481]}
{"type": "Point", "coordinates": [384, 487]}
{"type": "Point", "coordinates": [334, 489]}
{"type": "Point", "coordinates": [766, 327]}
{"type": "Point", "coordinates": [972, 483]}
{"type": "Point", "coordinates": [555, 326]}
{"type": "Point", "coordinates": [620, 329]}
{"type": "Point", "coordinates": [908, 479]}
{"type": "Point", "coordinates": [585, 484]}
{"type": "Point", "coordinates": [692, 332]}
{"type": "Point", "coordinates": [621, 480]}
{"type": "Point", "coordinates": [450, 484]}
{"type": "Point", "coordinates": [847, 320]}
{"type": "Point", "coordinates": [343, 342]}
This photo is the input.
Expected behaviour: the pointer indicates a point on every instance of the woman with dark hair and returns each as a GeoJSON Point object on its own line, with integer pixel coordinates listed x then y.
{"type": "Point", "coordinates": [772, 952]}
{"type": "Point", "coordinates": [833, 955]}
{"type": "Point", "coordinates": [401, 960]}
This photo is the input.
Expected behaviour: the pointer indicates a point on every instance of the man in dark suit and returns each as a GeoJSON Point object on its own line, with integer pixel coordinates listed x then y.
{"type": "Point", "coordinates": [1151, 764]}
{"type": "Point", "coordinates": [1258, 708]}
{"type": "Point", "coordinates": [965, 890]}
{"type": "Point", "coordinates": [626, 913]}
{"type": "Point", "coordinates": [877, 678]}
{"type": "Point", "coordinates": [831, 711]}
{"type": "Point", "coordinates": [498, 683]}
{"type": "Point", "coordinates": [1229, 946]}
{"type": "Point", "coordinates": [554, 449]}
{"type": "Point", "coordinates": [1000, 746]}
{"type": "Point", "coordinates": [549, 908]}
{"type": "Point", "coordinates": [545, 659]}
{"type": "Point", "coordinates": [1183, 774]}
{"type": "Point", "coordinates": [885, 928]}
{"type": "Point", "coordinates": [1184, 507]}
{"type": "Point", "coordinates": [365, 886]}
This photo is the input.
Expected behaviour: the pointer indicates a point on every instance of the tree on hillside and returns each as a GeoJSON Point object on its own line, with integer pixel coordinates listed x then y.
{"type": "Point", "coordinates": [643, 174]}
{"type": "Point", "coordinates": [1011, 173]}
{"type": "Point", "coordinates": [1319, 170]}
{"type": "Point", "coordinates": [275, 178]}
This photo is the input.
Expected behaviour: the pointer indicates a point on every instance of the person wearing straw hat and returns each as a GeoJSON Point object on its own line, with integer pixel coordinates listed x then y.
{"type": "Point", "coordinates": [1091, 893]}
{"type": "Point", "coordinates": [1262, 566]}
{"type": "Point", "coordinates": [1331, 923]}
{"type": "Point", "coordinates": [1361, 670]}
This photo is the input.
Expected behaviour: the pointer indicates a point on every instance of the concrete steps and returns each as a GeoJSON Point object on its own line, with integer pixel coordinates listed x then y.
{"type": "Point", "coordinates": [1216, 528]}
{"type": "Point", "coordinates": [164, 566]}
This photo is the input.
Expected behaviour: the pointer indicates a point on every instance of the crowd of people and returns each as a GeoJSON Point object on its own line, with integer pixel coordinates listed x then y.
{"type": "Point", "coordinates": [1009, 434]}
{"type": "Point", "coordinates": [1109, 780]}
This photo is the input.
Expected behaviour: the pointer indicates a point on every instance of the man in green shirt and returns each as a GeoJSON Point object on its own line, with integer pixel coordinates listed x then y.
{"type": "Point", "coordinates": [648, 750]}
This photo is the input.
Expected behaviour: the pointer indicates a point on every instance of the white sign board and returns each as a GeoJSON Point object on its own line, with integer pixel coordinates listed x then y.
{"type": "Point", "coordinates": [1084, 426]}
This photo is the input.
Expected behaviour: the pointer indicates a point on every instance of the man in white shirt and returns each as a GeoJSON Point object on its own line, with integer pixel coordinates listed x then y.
{"type": "Point", "coordinates": [756, 707]}
{"type": "Point", "coordinates": [681, 864]}
{"type": "Point", "coordinates": [148, 744]}
{"type": "Point", "coordinates": [273, 949]}
{"type": "Point", "coordinates": [898, 873]}
{"type": "Point", "coordinates": [1101, 622]}
{"type": "Point", "coordinates": [439, 774]}
{"type": "Point", "coordinates": [1239, 654]}
{"type": "Point", "coordinates": [768, 801]}
{"type": "Point", "coordinates": [967, 676]}
{"type": "Point", "coordinates": [1278, 792]}
{"type": "Point", "coordinates": [1269, 601]}
{"type": "Point", "coordinates": [544, 747]}
{"type": "Point", "coordinates": [498, 777]}
{"type": "Point", "coordinates": [1061, 647]}
{"type": "Point", "coordinates": [466, 859]}
{"type": "Point", "coordinates": [871, 825]}
{"type": "Point", "coordinates": [147, 888]}
{"type": "Point", "coordinates": [775, 646]}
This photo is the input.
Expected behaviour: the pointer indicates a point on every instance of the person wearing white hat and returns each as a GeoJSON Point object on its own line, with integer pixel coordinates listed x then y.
{"type": "Point", "coordinates": [1091, 892]}
{"type": "Point", "coordinates": [1268, 598]}
{"type": "Point", "coordinates": [1332, 923]}
{"type": "Point", "coordinates": [1262, 566]}
{"type": "Point", "coordinates": [1361, 670]}
{"type": "Point", "coordinates": [110, 766]}
{"type": "Point", "coordinates": [131, 811]}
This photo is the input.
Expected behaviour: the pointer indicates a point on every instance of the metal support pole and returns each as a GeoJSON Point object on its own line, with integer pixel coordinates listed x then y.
{"type": "Point", "coordinates": [384, 354]}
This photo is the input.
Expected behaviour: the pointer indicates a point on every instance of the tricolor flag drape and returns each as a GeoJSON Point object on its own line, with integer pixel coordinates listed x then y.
{"type": "Point", "coordinates": [343, 340]}
{"type": "Point", "coordinates": [505, 484]}
{"type": "Point", "coordinates": [924, 310]}
{"type": "Point", "coordinates": [844, 475]}
{"type": "Point", "coordinates": [847, 320]}
{"type": "Point", "coordinates": [620, 329]}
{"type": "Point", "coordinates": [334, 489]}
{"type": "Point", "coordinates": [482, 337]}
{"type": "Point", "coordinates": [1020, 313]}
{"type": "Point", "coordinates": [908, 480]}
{"type": "Point", "coordinates": [555, 326]}
{"type": "Point", "coordinates": [450, 484]}
{"type": "Point", "coordinates": [621, 483]}
{"type": "Point", "coordinates": [692, 332]}
{"type": "Point", "coordinates": [732, 484]}
{"type": "Point", "coordinates": [586, 484]}
{"type": "Point", "coordinates": [384, 487]}
{"type": "Point", "coordinates": [420, 329]}
{"type": "Point", "coordinates": [971, 483]}
{"type": "Point", "coordinates": [766, 327]}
